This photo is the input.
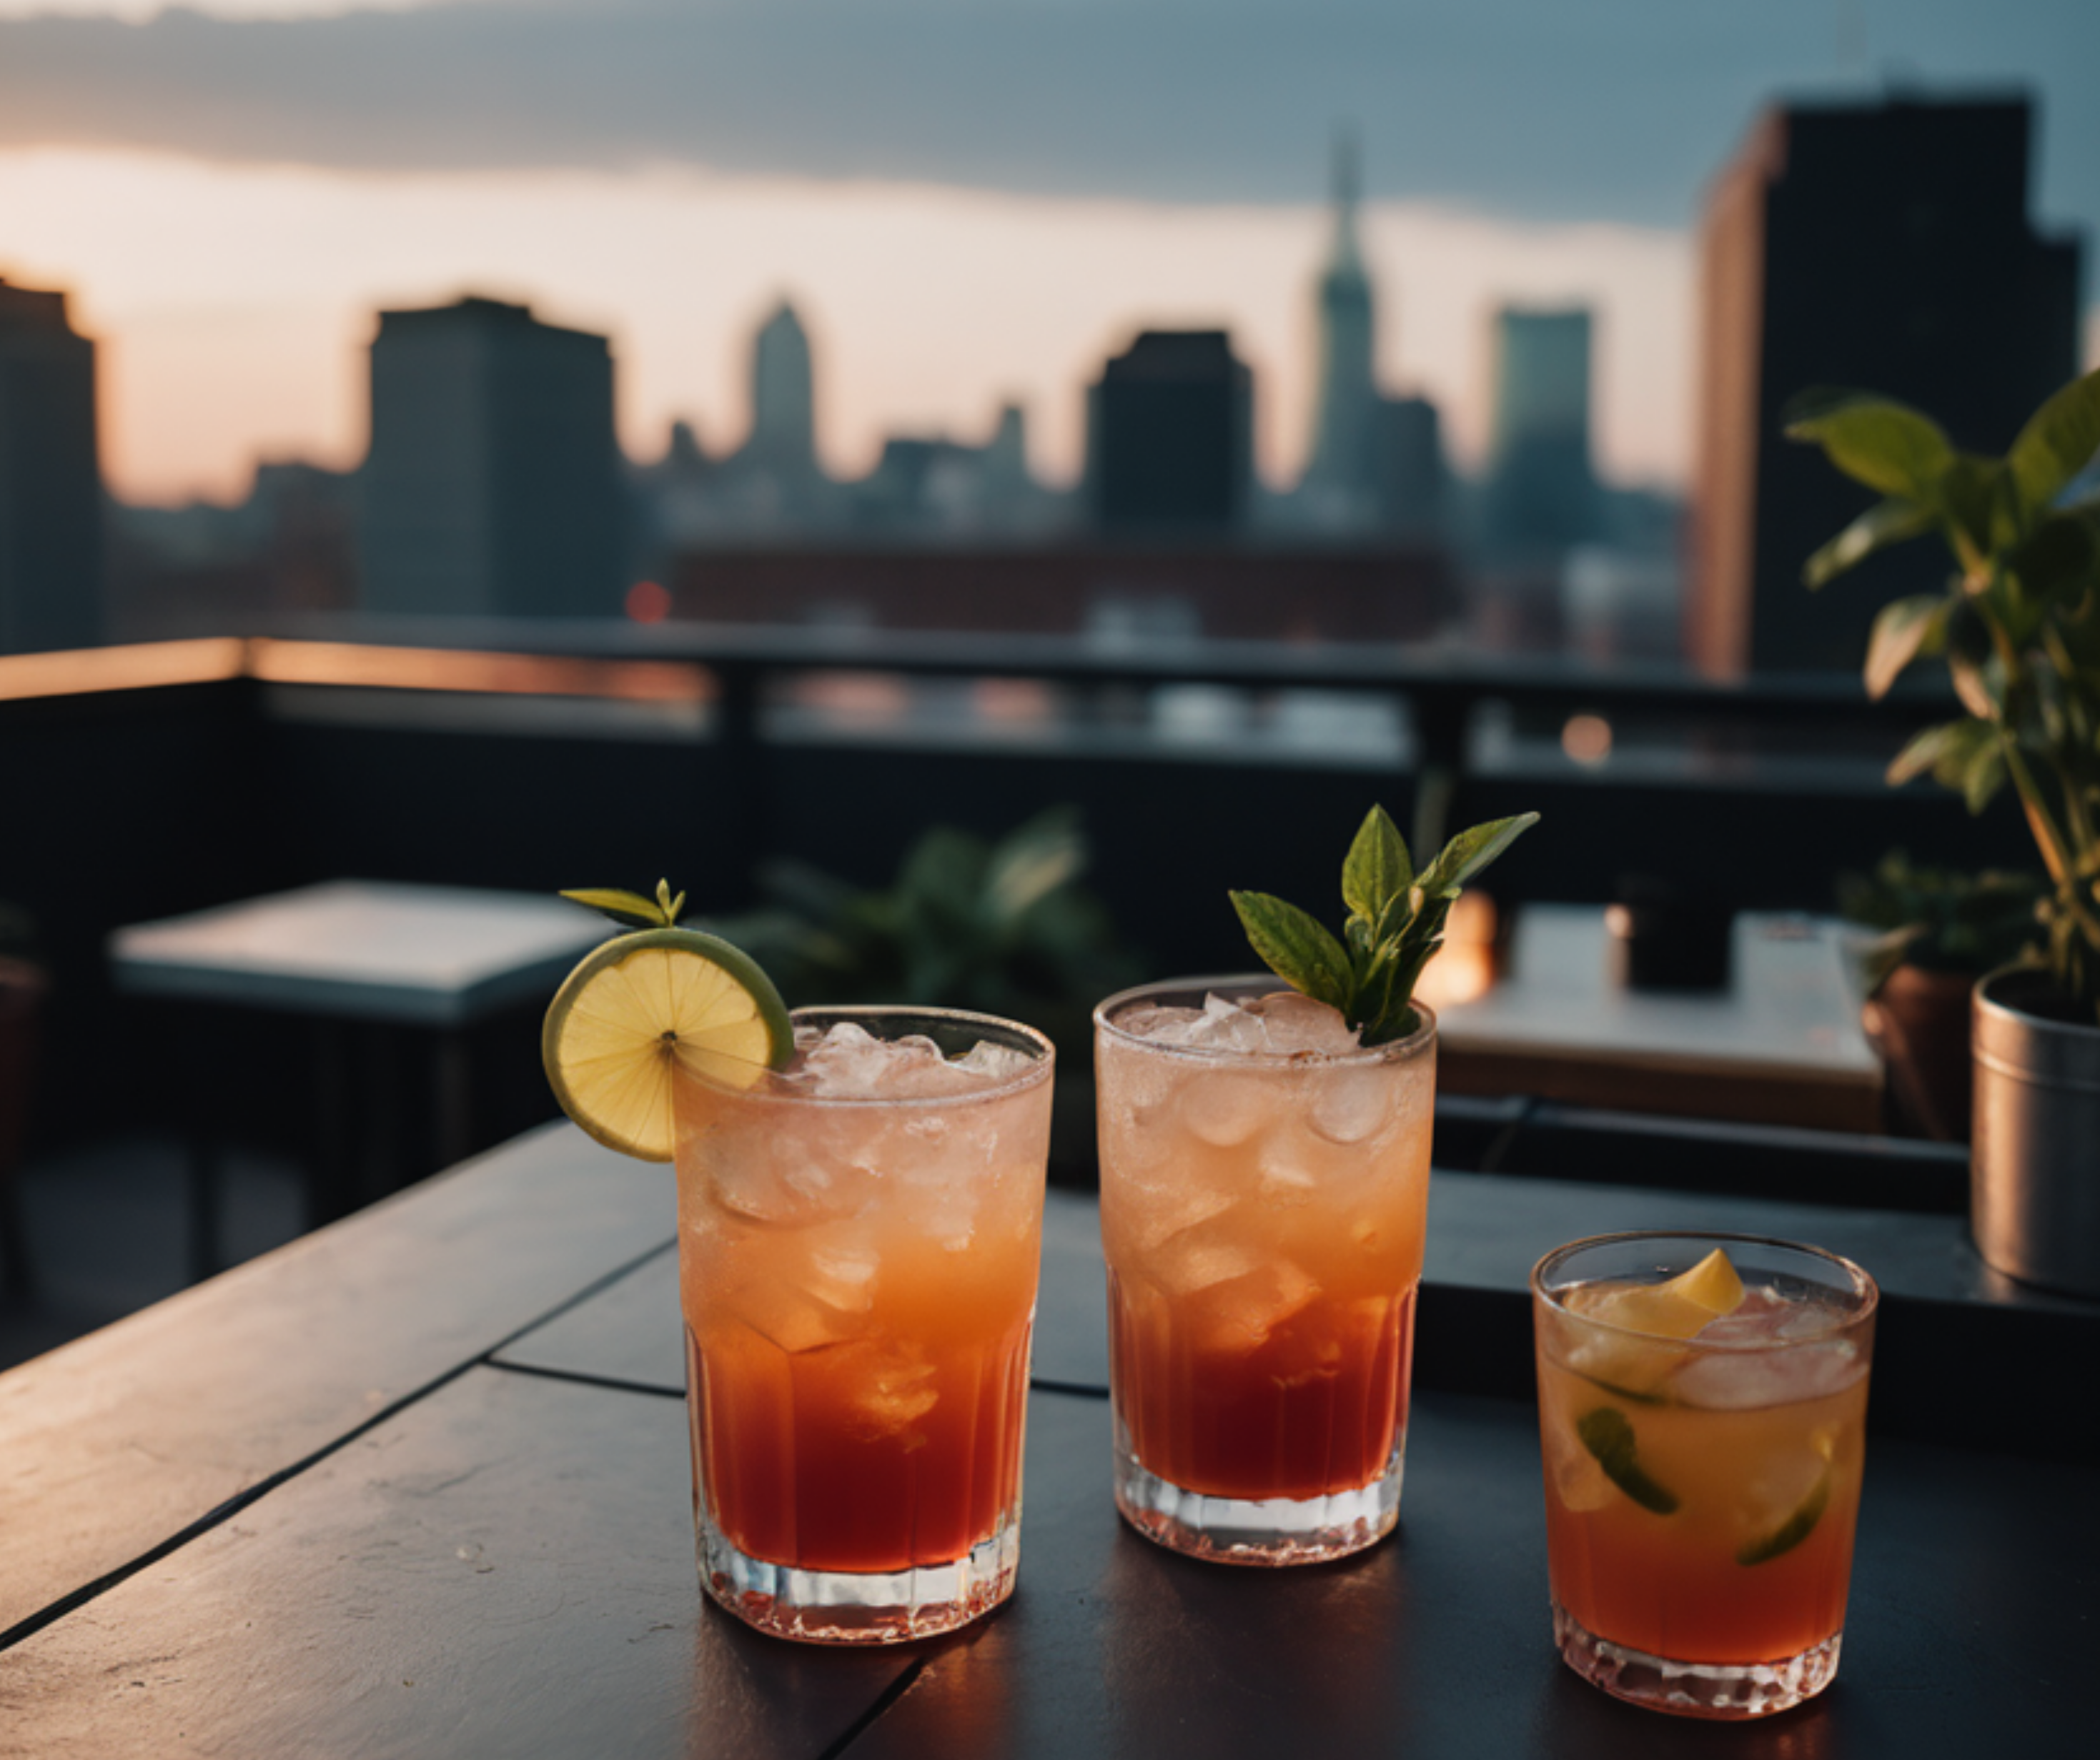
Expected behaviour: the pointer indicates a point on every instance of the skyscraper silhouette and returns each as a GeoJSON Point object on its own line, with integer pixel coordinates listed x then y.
{"type": "Point", "coordinates": [492, 487]}
{"type": "Point", "coordinates": [51, 483]}
{"type": "Point", "coordinates": [1170, 427]}
{"type": "Point", "coordinates": [1341, 472]}
{"type": "Point", "coordinates": [1540, 497]}
{"type": "Point", "coordinates": [1885, 246]}
{"type": "Point", "coordinates": [784, 405]}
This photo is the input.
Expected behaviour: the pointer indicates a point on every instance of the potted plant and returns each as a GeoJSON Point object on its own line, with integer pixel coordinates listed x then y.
{"type": "Point", "coordinates": [2017, 627]}
{"type": "Point", "coordinates": [1940, 930]}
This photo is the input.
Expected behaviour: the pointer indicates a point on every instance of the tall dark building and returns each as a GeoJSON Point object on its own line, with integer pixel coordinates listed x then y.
{"type": "Point", "coordinates": [1883, 246]}
{"type": "Point", "coordinates": [1407, 465]}
{"type": "Point", "coordinates": [50, 480]}
{"type": "Point", "coordinates": [1540, 496]}
{"type": "Point", "coordinates": [1170, 435]}
{"type": "Point", "coordinates": [493, 487]}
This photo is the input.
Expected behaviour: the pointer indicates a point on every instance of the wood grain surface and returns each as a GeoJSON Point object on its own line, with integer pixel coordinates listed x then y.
{"type": "Point", "coordinates": [504, 1569]}
{"type": "Point", "coordinates": [115, 1443]}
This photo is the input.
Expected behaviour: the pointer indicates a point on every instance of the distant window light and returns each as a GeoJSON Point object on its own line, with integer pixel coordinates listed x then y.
{"type": "Point", "coordinates": [1586, 738]}
{"type": "Point", "coordinates": [648, 601]}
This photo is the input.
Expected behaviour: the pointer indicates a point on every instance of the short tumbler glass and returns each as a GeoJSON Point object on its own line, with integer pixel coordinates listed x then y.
{"type": "Point", "coordinates": [1701, 1492]}
{"type": "Point", "coordinates": [858, 1279]}
{"type": "Point", "coordinates": [1262, 1215]}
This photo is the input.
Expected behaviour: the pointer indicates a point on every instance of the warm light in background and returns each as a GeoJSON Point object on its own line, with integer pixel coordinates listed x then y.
{"type": "Point", "coordinates": [1586, 738]}
{"type": "Point", "coordinates": [648, 601]}
{"type": "Point", "coordinates": [1465, 968]}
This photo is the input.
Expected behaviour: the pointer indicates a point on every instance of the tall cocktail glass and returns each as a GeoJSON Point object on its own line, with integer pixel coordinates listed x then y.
{"type": "Point", "coordinates": [858, 1246]}
{"type": "Point", "coordinates": [1262, 1214]}
{"type": "Point", "coordinates": [1701, 1490]}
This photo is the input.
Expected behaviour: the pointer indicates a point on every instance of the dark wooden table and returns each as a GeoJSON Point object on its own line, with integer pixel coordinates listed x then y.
{"type": "Point", "coordinates": [417, 1485]}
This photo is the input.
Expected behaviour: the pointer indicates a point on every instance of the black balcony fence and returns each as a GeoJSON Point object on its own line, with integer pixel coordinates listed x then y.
{"type": "Point", "coordinates": [146, 781]}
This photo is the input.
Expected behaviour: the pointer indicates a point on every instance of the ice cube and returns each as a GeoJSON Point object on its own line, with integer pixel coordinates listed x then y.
{"type": "Point", "coordinates": [1200, 1258]}
{"type": "Point", "coordinates": [1292, 1022]}
{"type": "Point", "coordinates": [994, 1062]}
{"type": "Point", "coordinates": [843, 1276]}
{"type": "Point", "coordinates": [798, 1321]}
{"type": "Point", "coordinates": [1749, 1380]}
{"type": "Point", "coordinates": [1239, 1313]}
{"type": "Point", "coordinates": [848, 1062]}
{"type": "Point", "coordinates": [1165, 1026]}
{"type": "Point", "coordinates": [1165, 1209]}
{"type": "Point", "coordinates": [1288, 1175]}
{"type": "Point", "coordinates": [892, 1387]}
{"type": "Point", "coordinates": [1352, 1105]}
{"type": "Point", "coordinates": [1224, 1110]}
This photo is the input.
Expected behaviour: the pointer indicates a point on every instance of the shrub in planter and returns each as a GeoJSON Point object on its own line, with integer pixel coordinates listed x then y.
{"type": "Point", "coordinates": [2018, 627]}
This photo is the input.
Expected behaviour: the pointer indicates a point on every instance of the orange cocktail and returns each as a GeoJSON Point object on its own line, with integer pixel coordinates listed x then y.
{"type": "Point", "coordinates": [1264, 1182]}
{"type": "Point", "coordinates": [1702, 1466]}
{"type": "Point", "coordinates": [859, 1243]}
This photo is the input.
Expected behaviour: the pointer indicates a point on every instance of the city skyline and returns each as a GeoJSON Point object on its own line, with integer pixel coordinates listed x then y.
{"type": "Point", "coordinates": [228, 247]}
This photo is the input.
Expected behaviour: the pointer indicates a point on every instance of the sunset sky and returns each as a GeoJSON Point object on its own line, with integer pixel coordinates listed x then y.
{"type": "Point", "coordinates": [969, 199]}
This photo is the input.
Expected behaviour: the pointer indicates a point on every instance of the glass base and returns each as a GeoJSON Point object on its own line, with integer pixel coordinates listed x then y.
{"type": "Point", "coordinates": [1258, 1531]}
{"type": "Point", "coordinates": [1718, 1690]}
{"type": "Point", "coordinates": [861, 1607]}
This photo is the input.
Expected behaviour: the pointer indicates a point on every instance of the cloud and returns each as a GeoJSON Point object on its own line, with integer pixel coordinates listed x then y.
{"type": "Point", "coordinates": [1614, 109]}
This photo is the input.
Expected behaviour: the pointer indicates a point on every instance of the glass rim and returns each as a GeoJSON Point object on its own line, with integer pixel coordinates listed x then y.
{"type": "Point", "coordinates": [1393, 1050]}
{"type": "Point", "coordinates": [1861, 1280]}
{"type": "Point", "coordinates": [1039, 1068]}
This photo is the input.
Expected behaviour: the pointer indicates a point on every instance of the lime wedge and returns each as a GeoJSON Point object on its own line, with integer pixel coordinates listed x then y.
{"type": "Point", "coordinates": [1793, 1531]}
{"type": "Point", "coordinates": [644, 1006]}
{"type": "Point", "coordinates": [1608, 1435]}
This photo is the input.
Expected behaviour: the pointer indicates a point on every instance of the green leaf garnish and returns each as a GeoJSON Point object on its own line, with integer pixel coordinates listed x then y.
{"type": "Point", "coordinates": [1608, 1435]}
{"type": "Point", "coordinates": [1794, 1529]}
{"type": "Point", "coordinates": [631, 910]}
{"type": "Point", "coordinates": [1396, 922]}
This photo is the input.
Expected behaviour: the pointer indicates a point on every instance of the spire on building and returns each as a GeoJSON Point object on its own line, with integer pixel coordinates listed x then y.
{"type": "Point", "coordinates": [1340, 467]}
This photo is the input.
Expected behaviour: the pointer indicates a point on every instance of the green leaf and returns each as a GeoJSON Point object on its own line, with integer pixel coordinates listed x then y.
{"type": "Point", "coordinates": [1470, 852]}
{"type": "Point", "coordinates": [1967, 756]}
{"type": "Point", "coordinates": [1886, 523]}
{"type": "Point", "coordinates": [2059, 441]}
{"type": "Point", "coordinates": [1978, 683]}
{"type": "Point", "coordinates": [1294, 946]}
{"type": "Point", "coordinates": [1929, 746]}
{"type": "Point", "coordinates": [1377, 868]}
{"type": "Point", "coordinates": [2060, 557]}
{"type": "Point", "coordinates": [1968, 499]}
{"type": "Point", "coordinates": [1885, 445]}
{"type": "Point", "coordinates": [1903, 629]}
{"type": "Point", "coordinates": [1033, 861]}
{"type": "Point", "coordinates": [629, 908]}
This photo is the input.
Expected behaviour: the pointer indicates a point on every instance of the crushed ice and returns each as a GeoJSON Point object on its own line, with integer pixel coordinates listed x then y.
{"type": "Point", "coordinates": [1282, 1023]}
{"type": "Point", "coordinates": [845, 1062]}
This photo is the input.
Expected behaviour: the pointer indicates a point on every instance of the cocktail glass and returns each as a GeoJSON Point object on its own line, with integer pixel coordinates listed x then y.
{"type": "Point", "coordinates": [858, 1278]}
{"type": "Point", "coordinates": [1262, 1215]}
{"type": "Point", "coordinates": [1701, 1491]}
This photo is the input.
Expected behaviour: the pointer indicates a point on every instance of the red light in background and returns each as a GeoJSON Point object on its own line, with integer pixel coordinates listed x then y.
{"type": "Point", "coordinates": [648, 601]}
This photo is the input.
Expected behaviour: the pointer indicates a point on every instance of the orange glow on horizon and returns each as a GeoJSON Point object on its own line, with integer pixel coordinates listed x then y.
{"type": "Point", "coordinates": [233, 303]}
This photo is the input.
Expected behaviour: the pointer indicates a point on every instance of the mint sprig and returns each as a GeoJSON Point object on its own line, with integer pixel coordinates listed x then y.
{"type": "Point", "coordinates": [1396, 922]}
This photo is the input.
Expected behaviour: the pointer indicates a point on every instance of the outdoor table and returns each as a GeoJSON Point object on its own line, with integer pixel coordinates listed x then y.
{"type": "Point", "coordinates": [418, 1484]}
{"type": "Point", "coordinates": [1781, 1045]}
{"type": "Point", "coordinates": [351, 955]}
